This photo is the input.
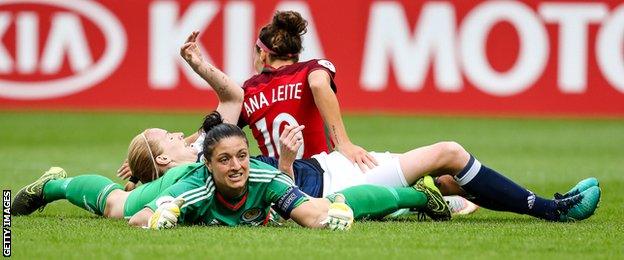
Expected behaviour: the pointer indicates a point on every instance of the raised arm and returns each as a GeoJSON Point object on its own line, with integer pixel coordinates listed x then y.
{"type": "Point", "coordinates": [290, 142]}
{"type": "Point", "coordinates": [327, 103]}
{"type": "Point", "coordinates": [230, 94]}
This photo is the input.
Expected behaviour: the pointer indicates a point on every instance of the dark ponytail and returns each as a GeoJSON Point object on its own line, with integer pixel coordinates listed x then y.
{"type": "Point", "coordinates": [284, 34]}
{"type": "Point", "coordinates": [211, 120]}
{"type": "Point", "coordinates": [291, 22]}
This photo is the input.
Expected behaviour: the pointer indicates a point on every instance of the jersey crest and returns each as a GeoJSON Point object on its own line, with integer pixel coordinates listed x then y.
{"type": "Point", "coordinates": [327, 64]}
{"type": "Point", "coordinates": [252, 217]}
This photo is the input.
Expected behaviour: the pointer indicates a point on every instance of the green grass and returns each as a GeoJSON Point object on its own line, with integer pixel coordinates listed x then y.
{"type": "Point", "coordinates": [545, 155]}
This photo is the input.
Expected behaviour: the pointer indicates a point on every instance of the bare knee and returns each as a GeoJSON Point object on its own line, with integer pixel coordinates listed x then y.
{"type": "Point", "coordinates": [436, 159]}
{"type": "Point", "coordinates": [451, 155]}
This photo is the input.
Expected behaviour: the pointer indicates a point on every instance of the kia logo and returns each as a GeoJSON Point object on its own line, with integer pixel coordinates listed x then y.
{"type": "Point", "coordinates": [66, 35]}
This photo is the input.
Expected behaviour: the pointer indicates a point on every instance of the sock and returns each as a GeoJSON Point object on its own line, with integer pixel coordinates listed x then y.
{"type": "Point", "coordinates": [86, 191]}
{"type": "Point", "coordinates": [55, 189]}
{"type": "Point", "coordinates": [475, 199]}
{"type": "Point", "coordinates": [494, 191]}
{"type": "Point", "coordinates": [370, 201]}
{"type": "Point", "coordinates": [488, 204]}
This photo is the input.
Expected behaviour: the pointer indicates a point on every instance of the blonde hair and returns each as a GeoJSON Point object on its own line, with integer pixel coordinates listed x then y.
{"type": "Point", "coordinates": [142, 154]}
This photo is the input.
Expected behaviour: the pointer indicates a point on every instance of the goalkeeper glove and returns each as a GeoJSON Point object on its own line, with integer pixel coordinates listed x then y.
{"type": "Point", "coordinates": [166, 216]}
{"type": "Point", "coordinates": [339, 215]}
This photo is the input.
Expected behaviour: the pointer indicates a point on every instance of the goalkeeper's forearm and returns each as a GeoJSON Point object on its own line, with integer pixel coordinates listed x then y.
{"type": "Point", "coordinates": [141, 218]}
{"type": "Point", "coordinates": [311, 213]}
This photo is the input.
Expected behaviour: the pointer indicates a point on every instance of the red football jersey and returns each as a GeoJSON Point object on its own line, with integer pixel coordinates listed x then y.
{"type": "Point", "coordinates": [279, 97]}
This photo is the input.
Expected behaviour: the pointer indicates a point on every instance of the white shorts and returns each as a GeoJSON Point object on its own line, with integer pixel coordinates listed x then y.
{"type": "Point", "coordinates": [340, 173]}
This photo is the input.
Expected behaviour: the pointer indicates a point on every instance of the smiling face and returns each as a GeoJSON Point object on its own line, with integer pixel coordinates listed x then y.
{"type": "Point", "coordinates": [229, 164]}
{"type": "Point", "coordinates": [175, 150]}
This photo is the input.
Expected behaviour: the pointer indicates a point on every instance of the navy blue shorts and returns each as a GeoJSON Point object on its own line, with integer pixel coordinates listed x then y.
{"type": "Point", "coordinates": [308, 174]}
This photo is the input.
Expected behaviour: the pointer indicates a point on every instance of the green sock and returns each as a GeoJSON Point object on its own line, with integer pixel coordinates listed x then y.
{"type": "Point", "coordinates": [370, 201]}
{"type": "Point", "coordinates": [86, 191]}
{"type": "Point", "coordinates": [408, 197]}
{"type": "Point", "coordinates": [55, 189]}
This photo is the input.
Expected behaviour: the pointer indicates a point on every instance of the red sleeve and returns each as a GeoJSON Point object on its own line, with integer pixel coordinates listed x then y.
{"type": "Point", "coordinates": [325, 65]}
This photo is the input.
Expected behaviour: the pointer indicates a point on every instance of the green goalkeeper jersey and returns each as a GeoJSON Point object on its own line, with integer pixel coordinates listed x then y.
{"type": "Point", "coordinates": [204, 205]}
{"type": "Point", "coordinates": [142, 195]}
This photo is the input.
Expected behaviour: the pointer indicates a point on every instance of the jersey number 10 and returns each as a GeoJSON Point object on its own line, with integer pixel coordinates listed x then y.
{"type": "Point", "coordinates": [271, 142]}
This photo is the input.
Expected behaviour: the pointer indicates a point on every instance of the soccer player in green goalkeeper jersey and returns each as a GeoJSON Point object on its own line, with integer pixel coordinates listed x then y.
{"type": "Point", "coordinates": [102, 196]}
{"type": "Point", "coordinates": [94, 193]}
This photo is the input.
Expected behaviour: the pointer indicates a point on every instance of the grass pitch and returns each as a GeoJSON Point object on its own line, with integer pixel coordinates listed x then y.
{"type": "Point", "coordinates": [545, 155]}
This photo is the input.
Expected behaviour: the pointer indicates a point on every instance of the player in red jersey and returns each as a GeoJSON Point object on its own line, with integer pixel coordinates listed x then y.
{"type": "Point", "coordinates": [289, 92]}
{"type": "Point", "coordinates": [278, 97]}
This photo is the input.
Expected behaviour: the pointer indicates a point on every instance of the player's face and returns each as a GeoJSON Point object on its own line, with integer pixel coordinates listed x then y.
{"type": "Point", "coordinates": [229, 165]}
{"type": "Point", "coordinates": [173, 145]}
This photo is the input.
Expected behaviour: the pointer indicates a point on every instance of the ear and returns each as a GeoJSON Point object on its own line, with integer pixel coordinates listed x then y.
{"type": "Point", "coordinates": [163, 160]}
{"type": "Point", "coordinates": [264, 57]}
{"type": "Point", "coordinates": [209, 166]}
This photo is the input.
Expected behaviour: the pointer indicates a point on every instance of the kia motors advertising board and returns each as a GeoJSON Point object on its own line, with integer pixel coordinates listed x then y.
{"type": "Point", "coordinates": [482, 57]}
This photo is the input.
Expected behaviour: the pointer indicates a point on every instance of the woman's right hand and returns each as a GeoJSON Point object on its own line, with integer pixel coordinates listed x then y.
{"type": "Point", "coordinates": [358, 155]}
{"type": "Point", "coordinates": [124, 171]}
{"type": "Point", "coordinates": [290, 140]}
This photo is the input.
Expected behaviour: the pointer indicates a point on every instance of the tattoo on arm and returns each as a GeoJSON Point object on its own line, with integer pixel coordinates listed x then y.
{"type": "Point", "coordinates": [209, 74]}
{"type": "Point", "coordinates": [333, 129]}
{"type": "Point", "coordinates": [219, 89]}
